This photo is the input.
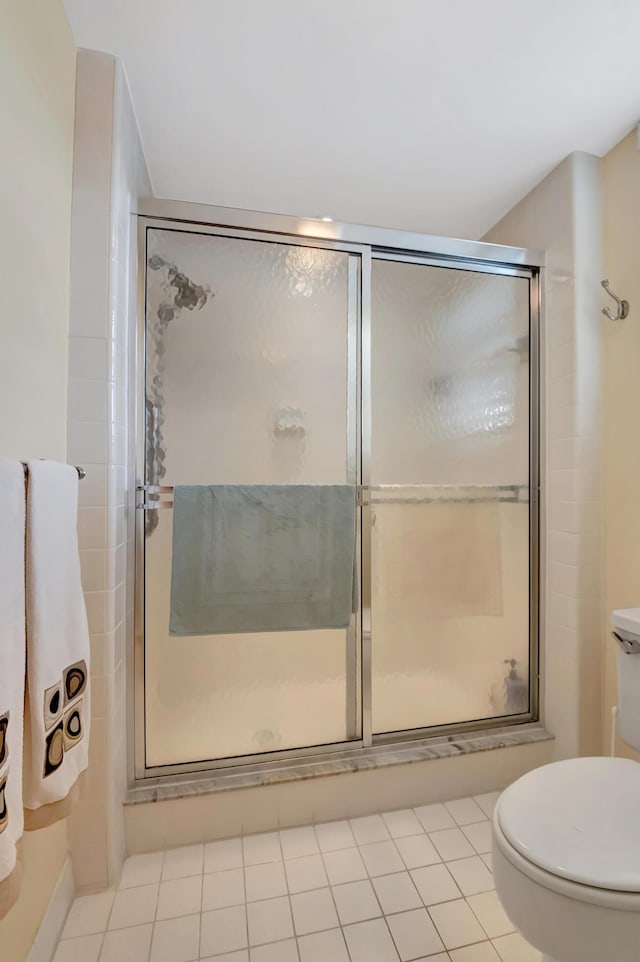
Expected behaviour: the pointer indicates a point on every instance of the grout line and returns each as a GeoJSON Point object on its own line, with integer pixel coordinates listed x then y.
{"type": "Point", "coordinates": [335, 905]}
{"type": "Point", "coordinates": [246, 904]}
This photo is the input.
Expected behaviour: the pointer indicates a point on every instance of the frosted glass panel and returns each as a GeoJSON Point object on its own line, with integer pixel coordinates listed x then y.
{"type": "Point", "coordinates": [247, 382]}
{"type": "Point", "coordinates": [450, 512]}
{"type": "Point", "coordinates": [450, 376]}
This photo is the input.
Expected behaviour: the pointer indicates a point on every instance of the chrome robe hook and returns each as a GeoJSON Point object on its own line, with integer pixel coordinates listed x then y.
{"type": "Point", "coordinates": [623, 306]}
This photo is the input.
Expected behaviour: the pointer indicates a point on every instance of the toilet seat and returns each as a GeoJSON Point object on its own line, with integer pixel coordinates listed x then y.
{"type": "Point", "coordinates": [576, 823]}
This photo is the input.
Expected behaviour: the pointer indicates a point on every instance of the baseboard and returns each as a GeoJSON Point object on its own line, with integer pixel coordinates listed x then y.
{"type": "Point", "coordinates": [45, 942]}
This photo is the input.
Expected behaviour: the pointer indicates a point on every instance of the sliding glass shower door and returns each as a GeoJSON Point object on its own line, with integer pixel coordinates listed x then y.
{"type": "Point", "coordinates": [251, 379]}
{"type": "Point", "coordinates": [450, 542]}
{"type": "Point", "coordinates": [277, 365]}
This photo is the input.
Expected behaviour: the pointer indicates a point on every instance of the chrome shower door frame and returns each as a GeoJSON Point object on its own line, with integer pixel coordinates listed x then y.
{"type": "Point", "coordinates": [365, 243]}
{"type": "Point", "coordinates": [138, 768]}
{"type": "Point", "coordinates": [532, 272]}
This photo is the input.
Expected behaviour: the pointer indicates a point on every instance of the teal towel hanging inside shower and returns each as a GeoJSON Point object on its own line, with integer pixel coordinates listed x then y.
{"type": "Point", "coordinates": [262, 558]}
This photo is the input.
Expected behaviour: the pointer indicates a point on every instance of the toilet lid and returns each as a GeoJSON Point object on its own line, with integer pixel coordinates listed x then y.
{"type": "Point", "coordinates": [578, 819]}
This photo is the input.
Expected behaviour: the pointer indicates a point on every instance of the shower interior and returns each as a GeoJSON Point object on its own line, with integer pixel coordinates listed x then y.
{"type": "Point", "coordinates": [406, 367]}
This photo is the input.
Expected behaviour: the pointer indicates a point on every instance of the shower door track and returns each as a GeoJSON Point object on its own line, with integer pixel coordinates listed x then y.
{"type": "Point", "coordinates": [367, 243]}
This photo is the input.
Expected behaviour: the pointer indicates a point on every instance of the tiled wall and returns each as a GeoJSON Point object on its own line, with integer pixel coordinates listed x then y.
{"type": "Point", "coordinates": [562, 216]}
{"type": "Point", "coordinates": [109, 174]}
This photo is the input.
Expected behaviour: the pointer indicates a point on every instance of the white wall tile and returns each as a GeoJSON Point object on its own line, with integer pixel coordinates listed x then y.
{"type": "Point", "coordinates": [87, 312]}
{"type": "Point", "coordinates": [88, 358]}
{"type": "Point", "coordinates": [87, 400]}
{"type": "Point", "coordinates": [87, 442]}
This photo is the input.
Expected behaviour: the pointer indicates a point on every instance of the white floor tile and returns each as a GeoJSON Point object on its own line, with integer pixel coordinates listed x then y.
{"type": "Point", "coordinates": [127, 945]}
{"type": "Point", "coordinates": [356, 901]}
{"type": "Point", "coordinates": [182, 896]}
{"type": "Point", "coordinates": [276, 952]}
{"type": "Point", "coordinates": [417, 850]}
{"type": "Point", "coordinates": [261, 848]}
{"type": "Point", "coordinates": [487, 802]}
{"type": "Point", "coordinates": [381, 858]}
{"type": "Point", "coordinates": [323, 947]}
{"type": "Point", "coordinates": [471, 875]}
{"type": "Point", "coordinates": [492, 917]}
{"type": "Point", "coordinates": [142, 870]}
{"type": "Point", "coordinates": [241, 956]}
{"type": "Point", "coordinates": [334, 835]}
{"type": "Point", "coordinates": [434, 818]}
{"type": "Point", "coordinates": [464, 811]}
{"type": "Point", "coordinates": [481, 952]}
{"type": "Point", "coordinates": [435, 884]}
{"type": "Point", "coordinates": [220, 890]}
{"type": "Point", "coordinates": [370, 942]}
{"type": "Point", "coordinates": [414, 934]}
{"type": "Point", "coordinates": [269, 921]}
{"type": "Point", "coordinates": [84, 949]}
{"type": "Point", "coordinates": [88, 915]}
{"type": "Point", "coordinates": [370, 828]}
{"type": "Point", "coordinates": [313, 911]}
{"type": "Point", "coordinates": [176, 940]}
{"type": "Point", "coordinates": [513, 948]}
{"type": "Point", "coordinates": [344, 865]}
{"type": "Point", "coordinates": [451, 844]}
{"type": "Point", "coordinates": [479, 834]}
{"type": "Point", "coordinates": [226, 854]}
{"type": "Point", "coordinates": [391, 863]}
{"type": "Point", "coordinates": [296, 842]}
{"type": "Point", "coordinates": [134, 906]}
{"type": "Point", "coordinates": [182, 862]}
{"type": "Point", "coordinates": [396, 893]}
{"type": "Point", "coordinates": [306, 873]}
{"type": "Point", "coordinates": [265, 881]}
{"type": "Point", "coordinates": [402, 823]}
{"type": "Point", "coordinates": [456, 924]}
{"type": "Point", "coordinates": [223, 930]}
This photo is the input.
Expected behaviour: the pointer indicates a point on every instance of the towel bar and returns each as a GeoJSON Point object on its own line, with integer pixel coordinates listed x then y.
{"type": "Point", "coordinates": [81, 471]}
{"type": "Point", "coordinates": [388, 494]}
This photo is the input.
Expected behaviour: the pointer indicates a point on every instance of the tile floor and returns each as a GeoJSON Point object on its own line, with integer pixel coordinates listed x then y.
{"type": "Point", "coordinates": [408, 885]}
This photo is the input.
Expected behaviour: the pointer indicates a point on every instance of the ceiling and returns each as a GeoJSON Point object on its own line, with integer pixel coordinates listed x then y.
{"type": "Point", "coordinates": [428, 115]}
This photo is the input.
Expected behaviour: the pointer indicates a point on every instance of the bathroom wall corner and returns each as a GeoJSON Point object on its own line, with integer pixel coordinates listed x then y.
{"type": "Point", "coordinates": [109, 175]}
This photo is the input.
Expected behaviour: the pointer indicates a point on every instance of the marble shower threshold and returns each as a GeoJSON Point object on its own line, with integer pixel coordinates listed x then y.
{"type": "Point", "coordinates": [159, 788]}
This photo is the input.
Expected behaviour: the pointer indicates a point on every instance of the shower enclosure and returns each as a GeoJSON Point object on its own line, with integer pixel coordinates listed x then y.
{"type": "Point", "coordinates": [280, 351]}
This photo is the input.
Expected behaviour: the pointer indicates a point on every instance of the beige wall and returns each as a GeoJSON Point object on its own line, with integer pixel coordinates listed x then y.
{"type": "Point", "coordinates": [621, 173]}
{"type": "Point", "coordinates": [37, 77]}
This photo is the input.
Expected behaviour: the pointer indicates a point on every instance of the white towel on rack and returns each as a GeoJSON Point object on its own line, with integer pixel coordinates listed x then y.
{"type": "Point", "coordinates": [57, 709]}
{"type": "Point", "coordinates": [12, 653]}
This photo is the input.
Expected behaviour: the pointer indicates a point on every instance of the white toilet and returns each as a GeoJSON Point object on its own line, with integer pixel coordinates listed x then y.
{"type": "Point", "coordinates": [566, 840]}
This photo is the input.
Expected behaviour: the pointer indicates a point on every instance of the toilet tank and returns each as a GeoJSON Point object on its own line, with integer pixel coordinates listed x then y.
{"type": "Point", "coordinates": [626, 631]}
